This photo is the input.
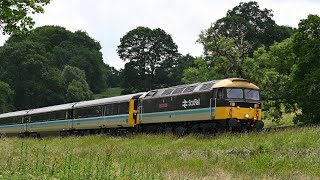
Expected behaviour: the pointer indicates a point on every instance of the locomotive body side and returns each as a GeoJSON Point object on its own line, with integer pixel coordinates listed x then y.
{"type": "Point", "coordinates": [233, 103]}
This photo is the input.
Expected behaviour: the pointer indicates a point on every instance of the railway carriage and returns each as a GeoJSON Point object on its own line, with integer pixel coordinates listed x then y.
{"type": "Point", "coordinates": [86, 117]}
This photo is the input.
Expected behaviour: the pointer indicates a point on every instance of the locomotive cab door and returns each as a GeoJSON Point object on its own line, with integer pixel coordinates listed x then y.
{"type": "Point", "coordinates": [213, 104]}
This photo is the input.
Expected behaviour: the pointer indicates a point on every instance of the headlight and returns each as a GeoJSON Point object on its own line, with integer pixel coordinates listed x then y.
{"type": "Point", "coordinates": [247, 115]}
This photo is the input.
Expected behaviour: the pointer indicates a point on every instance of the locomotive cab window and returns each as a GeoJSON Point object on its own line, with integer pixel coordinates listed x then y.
{"type": "Point", "coordinates": [251, 94]}
{"type": "Point", "coordinates": [235, 93]}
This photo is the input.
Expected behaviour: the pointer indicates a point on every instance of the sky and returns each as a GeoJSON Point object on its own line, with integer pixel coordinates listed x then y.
{"type": "Point", "coordinates": [108, 20]}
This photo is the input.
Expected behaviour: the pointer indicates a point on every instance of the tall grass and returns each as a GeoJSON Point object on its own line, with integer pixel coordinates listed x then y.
{"type": "Point", "coordinates": [292, 153]}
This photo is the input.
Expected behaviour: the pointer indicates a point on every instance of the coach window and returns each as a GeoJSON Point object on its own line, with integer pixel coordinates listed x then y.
{"type": "Point", "coordinates": [124, 108]}
{"type": "Point", "coordinates": [111, 109]}
{"type": "Point", "coordinates": [6, 121]}
{"type": "Point", "coordinates": [89, 112]}
{"type": "Point", "coordinates": [114, 109]}
{"type": "Point", "coordinates": [58, 115]}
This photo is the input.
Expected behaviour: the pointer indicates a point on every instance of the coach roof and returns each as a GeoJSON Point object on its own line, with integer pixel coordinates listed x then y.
{"type": "Point", "coordinates": [14, 114]}
{"type": "Point", "coordinates": [60, 107]}
{"type": "Point", "coordinates": [109, 100]}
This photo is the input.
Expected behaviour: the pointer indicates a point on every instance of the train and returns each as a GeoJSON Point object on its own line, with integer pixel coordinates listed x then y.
{"type": "Point", "coordinates": [204, 107]}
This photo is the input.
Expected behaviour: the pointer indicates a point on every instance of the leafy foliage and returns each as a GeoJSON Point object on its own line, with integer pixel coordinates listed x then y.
{"type": "Point", "coordinates": [201, 72]}
{"type": "Point", "coordinates": [6, 94]}
{"type": "Point", "coordinates": [14, 16]}
{"type": "Point", "coordinates": [35, 67]}
{"type": "Point", "coordinates": [248, 22]}
{"type": "Point", "coordinates": [306, 74]}
{"type": "Point", "coordinates": [271, 71]}
{"type": "Point", "coordinates": [224, 53]}
{"type": "Point", "coordinates": [152, 54]}
{"type": "Point", "coordinates": [77, 86]}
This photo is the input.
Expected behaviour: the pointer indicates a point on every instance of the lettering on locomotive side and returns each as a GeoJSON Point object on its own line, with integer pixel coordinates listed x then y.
{"type": "Point", "coordinates": [190, 103]}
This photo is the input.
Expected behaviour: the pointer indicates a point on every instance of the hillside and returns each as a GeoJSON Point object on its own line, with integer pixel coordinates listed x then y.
{"type": "Point", "coordinates": [291, 153]}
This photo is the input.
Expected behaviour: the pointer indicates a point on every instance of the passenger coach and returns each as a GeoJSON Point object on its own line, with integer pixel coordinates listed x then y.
{"type": "Point", "coordinates": [109, 115]}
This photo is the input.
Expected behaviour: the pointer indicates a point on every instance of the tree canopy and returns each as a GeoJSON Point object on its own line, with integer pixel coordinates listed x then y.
{"type": "Point", "coordinates": [35, 64]}
{"type": "Point", "coordinates": [149, 52]}
{"type": "Point", "coordinates": [306, 73]}
{"type": "Point", "coordinates": [15, 15]}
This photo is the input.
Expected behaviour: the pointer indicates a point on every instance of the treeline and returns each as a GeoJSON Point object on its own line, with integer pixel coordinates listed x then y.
{"type": "Point", "coordinates": [51, 65]}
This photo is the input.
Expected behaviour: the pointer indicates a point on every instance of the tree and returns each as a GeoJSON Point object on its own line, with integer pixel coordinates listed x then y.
{"type": "Point", "coordinates": [64, 47]}
{"type": "Point", "coordinates": [201, 72]}
{"type": "Point", "coordinates": [224, 53]}
{"type": "Point", "coordinates": [6, 94]}
{"type": "Point", "coordinates": [23, 65]}
{"type": "Point", "coordinates": [78, 88]}
{"type": "Point", "coordinates": [33, 66]}
{"type": "Point", "coordinates": [14, 15]}
{"type": "Point", "coordinates": [248, 22]}
{"type": "Point", "coordinates": [149, 51]}
{"type": "Point", "coordinates": [131, 78]}
{"type": "Point", "coordinates": [113, 76]}
{"type": "Point", "coordinates": [184, 62]}
{"type": "Point", "coordinates": [306, 74]}
{"type": "Point", "coordinates": [272, 72]}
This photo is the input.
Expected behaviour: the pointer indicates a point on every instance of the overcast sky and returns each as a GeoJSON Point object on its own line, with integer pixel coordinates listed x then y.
{"type": "Point", "coordinates": [108, 20]}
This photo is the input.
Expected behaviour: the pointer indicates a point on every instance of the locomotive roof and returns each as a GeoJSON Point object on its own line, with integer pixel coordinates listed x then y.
{"type": "Point", "coordinates": [14, 114]}
{"type": "Point", "coordinates": [51, 108]}
{"type": "Point", "coordinates": [201, 87]}
{"type": "Point", "coordinates": [116, 99]}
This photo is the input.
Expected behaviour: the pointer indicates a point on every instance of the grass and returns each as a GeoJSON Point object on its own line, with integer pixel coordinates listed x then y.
{"type": "Point", "coordinates": [110, 92]}
{"type": "Point", "coordinates": [292, 153]}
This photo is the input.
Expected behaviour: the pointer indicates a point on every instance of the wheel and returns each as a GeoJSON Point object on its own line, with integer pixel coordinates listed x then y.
{"type": "Point", "coordinates": [180, 131]}
{"type": "Point", "coordinates": [233, 123]}
{"type": "Point", "coordinates": [258, 125]}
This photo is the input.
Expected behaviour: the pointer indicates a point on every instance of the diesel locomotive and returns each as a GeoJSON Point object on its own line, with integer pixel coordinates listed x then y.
{"type": "Point", "coordinates": [205, 107]}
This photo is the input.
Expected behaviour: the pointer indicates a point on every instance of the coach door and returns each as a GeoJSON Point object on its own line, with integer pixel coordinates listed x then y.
{"type": "Point", "coordinates": [70, 118]}
{"type": "Point", "coordinates": [133, 112]}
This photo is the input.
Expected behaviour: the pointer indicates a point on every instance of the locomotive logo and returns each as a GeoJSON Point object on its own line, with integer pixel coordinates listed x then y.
{"type": "Point", "coordinates": [190, 103]}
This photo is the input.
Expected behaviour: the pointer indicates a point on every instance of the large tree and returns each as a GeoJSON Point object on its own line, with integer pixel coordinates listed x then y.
{"type": "Point", "coordinates": [272, 71]}
{"type": "Point", "coordinates": [306, 75]}
{"type": "Point", "coordinates": [15, 15]}
{"type": "Point", "coordinates": [248, 22]}
{"type": "Point", "coordinates": [63, 47]}
{"type": "Point", "coordinates": [33, 65]}
{"type": "Point", "coordinates": [149, 51]}
{"type": "Point", "coordinates": [225, 54]}
{"type": "Point", "coordinates": [233, 38]}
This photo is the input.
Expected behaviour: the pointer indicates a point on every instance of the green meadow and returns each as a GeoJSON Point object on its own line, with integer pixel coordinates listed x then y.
{"type": "Point", "coordinates": [283, 154]}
